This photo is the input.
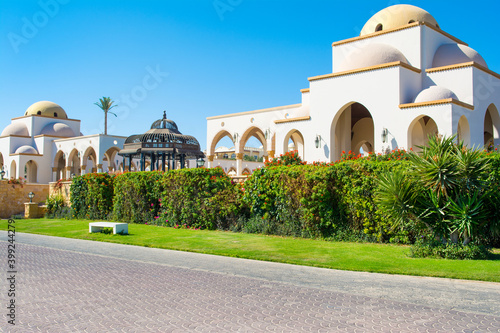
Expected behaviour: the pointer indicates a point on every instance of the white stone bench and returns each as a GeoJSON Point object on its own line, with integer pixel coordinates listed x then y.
{"type": "Point", "coordinates": [118, 228]}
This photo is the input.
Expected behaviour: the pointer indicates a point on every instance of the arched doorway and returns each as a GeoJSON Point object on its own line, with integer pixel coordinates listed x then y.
{"type": "Point", "coordinates": [31, 171]}
{"type": "Point", "coordinates": [463, 131]}
{"type": "Point", "coordinates": [74, 163]}
{"type": "Point", "coordinates": [228, 139]}
{"type": "Point", "coordinates": [420, 130]}
{"type": "Point", "coordinates": [491, 126]}
{"type": "Point", "coordinates": [294, 140]}
{"type": "Point", "coordinates": [59, 166]}
{"type": "Point", "coordinates": [352, 130]}
{"type": "Point", "coordinates": [13, 170]}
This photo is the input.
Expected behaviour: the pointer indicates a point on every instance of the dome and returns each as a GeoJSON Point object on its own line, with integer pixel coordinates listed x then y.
{"type": "Point", "coordinates": [19, 129]}
{"type": "Point", "coordinates": [397, 16]}
{"type": "Point", "coordinates": [452, 54]}
{"type": "Point", "coordinates": [47, 109]}
{"type": "Point", "coordinates": [26, 150]}
{"type": "Point", "coordinates": [165, 123]}
{"type": "Point", "coordinates": [57, 129]}
{"type": "Point", "coordinates": [372, 55]}
{"type": "Point", "coordinates": [435, 93]}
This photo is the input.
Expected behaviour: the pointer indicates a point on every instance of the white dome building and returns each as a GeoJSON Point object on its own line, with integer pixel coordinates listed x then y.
{"type": "Point", "coordinates": [44, 145]}
{"type": "Point", "coordinates": [401, 80]}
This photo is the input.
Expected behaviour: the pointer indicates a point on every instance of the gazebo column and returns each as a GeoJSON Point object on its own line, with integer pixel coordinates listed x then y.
{"type": "Point", "coordinates": [163, 161]}
{"type": "Point", "coordinates": [54, 175]}
{"type": "Point", "coordinates": [173, 160]}
{"type": "Point", "coordinates": [152, 165]}
{"type": "Point", "coordinates": [239, 164]}
{"type": "Point", "coordinates": [130, 162]}
{"type": "Point", "coordinates": [143, 162]}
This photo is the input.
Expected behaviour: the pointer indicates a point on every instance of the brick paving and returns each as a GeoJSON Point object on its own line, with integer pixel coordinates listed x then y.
{"type": "Point", "coordinates": [67, 291]}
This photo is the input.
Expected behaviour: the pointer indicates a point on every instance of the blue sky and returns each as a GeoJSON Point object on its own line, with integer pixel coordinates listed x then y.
{"type": "Point", "coordinates": [192, 58]}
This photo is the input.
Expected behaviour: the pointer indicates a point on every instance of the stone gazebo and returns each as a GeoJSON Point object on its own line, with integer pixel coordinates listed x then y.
{"type": "Point", "coordinates": [162, 147]}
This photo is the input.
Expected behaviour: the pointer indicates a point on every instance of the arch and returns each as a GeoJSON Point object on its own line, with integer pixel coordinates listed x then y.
{"type": "Point", "coordinates": [351, 129]}
{"type": "Point", "coordinates": [110, 156]}
{"type": "Point", "coordinates": [74, 162]}
{"type": "Point", "coordinates": [90, 160]}
{"type": "Point", "coordinates": [298, 142]}
{"type": "Point", "coordinates": [491, 126]}
{"type": "Point", "coordinates": [232, 171]}
{"type": "Point", "coordinates": [13, 170]}
{"type": "Point", "coordinates": [253, 132]}
{"type": "Point", "coordinates": [246, 171]}
{"type": "Point", "coordinates": [463, 131]}
{"type": "Point", "coordinates": [31, 171]}
{"type": "Point", "coordinates": [59, 165]}
{"type": "Point", "coordinates": [217, 137]}
{"type": "Point", "coordinates": [419, 131]}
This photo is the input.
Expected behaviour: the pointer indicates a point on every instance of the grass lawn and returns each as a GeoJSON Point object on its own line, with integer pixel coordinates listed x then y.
{"type": "Point", "coordinates": [381, 258]}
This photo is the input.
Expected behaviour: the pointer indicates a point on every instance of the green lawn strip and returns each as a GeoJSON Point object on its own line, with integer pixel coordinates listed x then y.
{"type": "Point", "coordinates": [381, 258]}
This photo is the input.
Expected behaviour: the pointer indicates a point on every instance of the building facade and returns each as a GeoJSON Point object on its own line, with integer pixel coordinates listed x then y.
{"type": "Point", "coordinates": [401, 80]}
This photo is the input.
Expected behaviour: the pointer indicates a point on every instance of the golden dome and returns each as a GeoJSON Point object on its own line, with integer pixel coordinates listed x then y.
{"type": "Point", "coordinates": [397, 16]}
{"type": "Point", "coordinates": [47, 109]}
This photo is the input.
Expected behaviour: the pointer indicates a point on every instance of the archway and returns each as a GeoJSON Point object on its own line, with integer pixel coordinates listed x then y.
{"type": "Point", "coordinates": [294, 140]}
{"type": "Point", "coordinates": [463, 131]}
{"type": "Point", "coordinates": [352, 129]}
{"type": "Point", "coordinates": [90, 160]}
{"type": "Point", "coordinates": [420, 130]}
{"type": "Point", "coordinates": [59, 166]}
{"type": "Point", "coordinates": [31, 171]}
{"type": "Point", "coordinates": [253, 132]}
{"type": "Point", "coordinates": [74, 163]}
{"type": "Point", "coordinates": [218, 137]}
{"type": "Point", "coordinates": [491, 126]}
{"type": "Point", "coordinates": [232, 171]}
{"type": "Point", "coordinates": [110, 156]}
{"type": "Point", "coordinates": [13, 170]}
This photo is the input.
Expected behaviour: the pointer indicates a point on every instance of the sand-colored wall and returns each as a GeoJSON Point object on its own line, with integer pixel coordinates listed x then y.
{"type": "Point", "coordinates": [13, 197]}
{"type": "Point", "coordinates": [61, 188]}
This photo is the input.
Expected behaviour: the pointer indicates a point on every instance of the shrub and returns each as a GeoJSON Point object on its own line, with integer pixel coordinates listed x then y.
{"type": "Point", "coordinates": [137, 197]}
{"type": "Point", "coordinates": [92, 195]}
{"type": "Point", "coordinates": [200, 198]}
{"type": "Point", "coordinates": [435, 249]}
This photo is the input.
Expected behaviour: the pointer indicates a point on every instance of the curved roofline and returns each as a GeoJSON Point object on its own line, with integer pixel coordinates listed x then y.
{"type": "Point", "coordinates": [388, 31]}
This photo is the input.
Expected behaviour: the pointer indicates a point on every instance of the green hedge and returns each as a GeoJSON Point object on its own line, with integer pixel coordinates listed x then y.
{"type": "Point", "coordinates": [92, 196]}
{"type": "Point", "coordinates": [137, 197]}
{"type": "Point", "coordinates": [200, 198]}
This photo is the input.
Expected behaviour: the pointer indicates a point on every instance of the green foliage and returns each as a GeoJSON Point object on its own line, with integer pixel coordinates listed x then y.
{"type": "Point", "coordinates": [446, 189]}
{"type": "Point", "coordinates": [289, 158]}
{"type": "Point", "coordinates": [92, 195]}
{"type": "Point", "coordinates": [137, 197]}
{"type": "Point", "coordinates": [200, 198]}
{"type": "Point", "coordinates": [435, 249]}
{"type": "Point", "coordinates": [54, 202]}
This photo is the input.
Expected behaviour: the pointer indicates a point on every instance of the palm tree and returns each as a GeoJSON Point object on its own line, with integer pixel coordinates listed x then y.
{"type": "Point", "coordinates": [106, 104]}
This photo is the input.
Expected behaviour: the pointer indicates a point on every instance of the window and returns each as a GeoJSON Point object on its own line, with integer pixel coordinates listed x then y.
{"type": "Point", "coordinates": [379, 27]}
{"type": "Point", "coordinates": [55, 114]}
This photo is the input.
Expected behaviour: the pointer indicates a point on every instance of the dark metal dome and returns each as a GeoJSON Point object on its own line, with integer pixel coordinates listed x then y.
{"type": "Point", "coordinates": [165, 123]}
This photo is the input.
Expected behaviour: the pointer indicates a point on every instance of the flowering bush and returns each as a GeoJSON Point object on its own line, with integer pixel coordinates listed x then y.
{"type": "Point", "coordinates": [92, 195]}
{"type": "Point", "coordinates": [290, 158]}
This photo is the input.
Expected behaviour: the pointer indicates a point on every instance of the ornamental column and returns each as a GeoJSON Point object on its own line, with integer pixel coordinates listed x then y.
{"type": "Point", "coordinates": [67, 174]}
{"type": "Point", "coordinates": [84, 169]}
{"type": "Point", "coordinates": [270, 155]}
{"type": "Point", "coordinates": [239, 164]}
{"type": "Point", "coordinates": [54, 175]}
{"type": "Point", "coordinates": [210, 161]}
{"type": "Point", "coordinates": [99, 167]}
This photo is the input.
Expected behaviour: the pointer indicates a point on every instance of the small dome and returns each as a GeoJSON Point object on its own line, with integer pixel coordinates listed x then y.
{"type": "Point", "coordinates": [372, 55]}
{"type": "Point", "coordinates": [452, 54]}
{"type": "Point", "coordinates": [16, 129]}
{"type": "Point", "coordinates": [26, 150]}
{"type": "Point", "coordinates": [397, 16]}
{"type": "Point", "coordinates": [57, 129]}
{"type": "Point", "coordinates": [434, 93]}
{"type": "Point", "coordinates": [47, 109]}
{"type": "Point", "coordinates": [165, 123]}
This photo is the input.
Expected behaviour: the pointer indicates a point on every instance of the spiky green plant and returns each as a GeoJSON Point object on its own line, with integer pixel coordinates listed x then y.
{"type": "Point", "coordinates": [106, 104]}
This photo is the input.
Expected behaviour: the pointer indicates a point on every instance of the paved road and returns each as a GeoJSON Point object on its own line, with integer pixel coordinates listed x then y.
{"type": "Point", "coordinates": [65, 285]}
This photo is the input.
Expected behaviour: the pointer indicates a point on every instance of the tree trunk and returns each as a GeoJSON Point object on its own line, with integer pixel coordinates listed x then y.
{"type": "Point", "coordinates": [105, 123]}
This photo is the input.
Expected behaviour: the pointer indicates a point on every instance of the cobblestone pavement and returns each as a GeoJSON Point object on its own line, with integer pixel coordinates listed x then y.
{"type": "Point", "coordinates": [64, 286]}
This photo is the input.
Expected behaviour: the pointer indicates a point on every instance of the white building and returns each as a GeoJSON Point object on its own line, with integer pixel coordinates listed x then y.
{"type": "Point", "coordinates": [44, 145]}
{"type": "Point", "coordinates": [400, 81]}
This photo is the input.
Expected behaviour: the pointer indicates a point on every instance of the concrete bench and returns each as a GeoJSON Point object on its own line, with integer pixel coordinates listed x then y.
{"type": "Point", "coordinates": [118, 228]}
